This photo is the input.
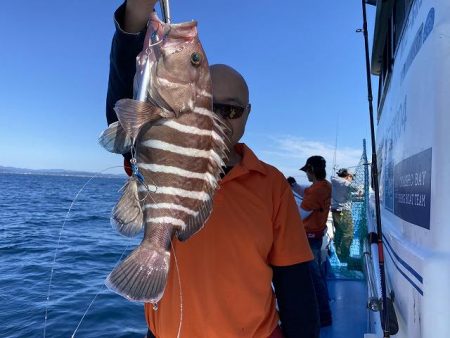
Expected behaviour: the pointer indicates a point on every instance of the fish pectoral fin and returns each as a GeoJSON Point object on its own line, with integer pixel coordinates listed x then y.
{"type": "Point", "coordinates": [133, 114]}
{"type": "Point", "coordinates": [115, 139]}
{"type": "Point", "coordinates": [142, 276]}
{"type": "Point", "coordinates": [127, 216]}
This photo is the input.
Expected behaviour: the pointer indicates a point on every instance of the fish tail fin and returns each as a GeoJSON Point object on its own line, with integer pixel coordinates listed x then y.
{"type": "Point", "coordinates": [142, 276]}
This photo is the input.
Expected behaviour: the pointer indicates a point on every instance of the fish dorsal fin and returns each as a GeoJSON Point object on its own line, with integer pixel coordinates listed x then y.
{"type": "Point", "coordinates": [115, 139]}
{"type": "Point", "coordinates": [219, 147]}
{"type": "Point", "coordinates": [133, 114]}
{"type": "Point", "coordinates": [127, 216]}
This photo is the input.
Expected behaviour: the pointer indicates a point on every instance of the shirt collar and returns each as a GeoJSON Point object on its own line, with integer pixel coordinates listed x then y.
{"type": "Point", "coordinates": [249, 162]}
{"type": "Point", "coordinates": [249, 159]}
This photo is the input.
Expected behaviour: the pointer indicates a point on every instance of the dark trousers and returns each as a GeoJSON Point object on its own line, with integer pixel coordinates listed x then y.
{"type": "Point", "coordinates": [343, 236]}
{"type": "Point", "coordinates": [318, 277]}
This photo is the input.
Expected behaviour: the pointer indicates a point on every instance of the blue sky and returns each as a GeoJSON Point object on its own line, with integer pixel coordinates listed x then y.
{"type": "Point", "coordinates": [303, 62]}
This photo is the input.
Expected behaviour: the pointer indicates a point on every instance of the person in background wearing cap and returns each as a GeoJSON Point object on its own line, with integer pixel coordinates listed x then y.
{"type": "Point", "coordinates": [341, 208]}
{"type": "Point", "coordinates": [314, 210]}
{"type": "Point", "coordinates": [254, 236]}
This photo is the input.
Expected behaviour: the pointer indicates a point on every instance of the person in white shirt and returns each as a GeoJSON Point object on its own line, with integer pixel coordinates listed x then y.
{"type": "Point", "coordinates": [341, 208]}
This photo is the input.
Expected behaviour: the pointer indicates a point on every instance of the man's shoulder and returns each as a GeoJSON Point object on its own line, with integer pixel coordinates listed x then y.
{"type": "Point", "coordinates": [336, 180]}
{"type": "Point", "coordinates": [253, 162]}
{"type": "Point", "coordinates": [320, 187]}
{"type": "Point", "coordinates": [271, 176]}
{"type": "Point", "coordinates": [273, 172]}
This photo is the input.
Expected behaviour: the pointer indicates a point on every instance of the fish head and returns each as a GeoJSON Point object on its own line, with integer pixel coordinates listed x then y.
{"type": "Point", "coordinates": [181, 78]}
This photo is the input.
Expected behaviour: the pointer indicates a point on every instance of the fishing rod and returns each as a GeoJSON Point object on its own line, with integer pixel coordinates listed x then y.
{"type": "Point", "coordinates": [165, 10]}
{"type": "Point", "coordinates": [140, 91]}
{"type": "Point", "coordinates": [384, 310]}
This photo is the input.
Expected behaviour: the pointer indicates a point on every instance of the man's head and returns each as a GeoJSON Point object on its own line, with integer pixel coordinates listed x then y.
{"type": "Point", "coordinates": [315, 168]}
{"type": "Point", "coordinates": [230, 99]}
{"type": "Point", "coordinates": [344, 173]}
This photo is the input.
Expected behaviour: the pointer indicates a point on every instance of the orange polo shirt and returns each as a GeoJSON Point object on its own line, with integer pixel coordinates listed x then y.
{"type": "Point", "coordinates": [317, 198]}
{"type": "Point", "coordinates": [225, 269]}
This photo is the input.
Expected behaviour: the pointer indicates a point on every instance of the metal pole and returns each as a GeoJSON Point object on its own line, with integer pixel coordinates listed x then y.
{"type": "Point", "coordinates": [385, 311]}
{"type": "Point", "coordinates": [165, 10]}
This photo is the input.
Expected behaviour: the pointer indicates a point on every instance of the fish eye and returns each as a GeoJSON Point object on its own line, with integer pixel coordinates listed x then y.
{"type": "Point", "coordinates": [196, 59]}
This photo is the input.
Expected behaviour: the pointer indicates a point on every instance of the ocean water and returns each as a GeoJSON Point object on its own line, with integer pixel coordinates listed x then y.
{"type": "Point", "coordinates": [32, 213]}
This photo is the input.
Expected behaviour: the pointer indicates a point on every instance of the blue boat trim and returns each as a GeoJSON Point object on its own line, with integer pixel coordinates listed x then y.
{"type": "Point", "coordinates": [403, 274]}
{"type": "Point", "coordinates": [402, 262]}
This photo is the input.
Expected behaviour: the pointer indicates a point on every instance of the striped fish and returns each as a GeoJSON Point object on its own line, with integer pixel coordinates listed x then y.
{"type": "Point", "coordinates": [180, 147]}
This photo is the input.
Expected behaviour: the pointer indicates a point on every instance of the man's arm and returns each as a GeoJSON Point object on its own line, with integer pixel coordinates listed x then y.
{"type": "Point", "coordinates": [130, 20]}
{"type": "Point", "coordinates": [289, 258]}
{"type": "Point", "coordinates": [137, 14]}
{"type": "Point", "coordinates": [297, 301]}
{"type": "Point", "coordinates": [309, 204]}
{"type": "Point", "coordinates": [304, 214]}
{"type": "Point", "coordinates": [299, 189]}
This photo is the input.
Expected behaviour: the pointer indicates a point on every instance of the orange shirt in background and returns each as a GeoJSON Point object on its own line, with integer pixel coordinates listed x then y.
{"type": "Point", "coordinates": [225, 270]}
{"type": "Point", "coordinates": [317, 198]}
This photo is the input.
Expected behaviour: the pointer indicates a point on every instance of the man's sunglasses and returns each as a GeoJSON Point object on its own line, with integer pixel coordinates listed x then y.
{"type": "Point", "coordinates": [228, 111]}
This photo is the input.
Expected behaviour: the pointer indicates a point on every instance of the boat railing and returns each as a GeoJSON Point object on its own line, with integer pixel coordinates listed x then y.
{"type": "Point", "coordinates": [374, 302]}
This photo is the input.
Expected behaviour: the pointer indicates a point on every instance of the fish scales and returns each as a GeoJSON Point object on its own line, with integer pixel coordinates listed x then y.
{"type": "Point", "coordinates": [179, 171]}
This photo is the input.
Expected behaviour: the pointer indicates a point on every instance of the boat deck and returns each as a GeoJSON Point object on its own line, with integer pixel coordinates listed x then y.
{"type": "Point", "coordinates": [348, 306]}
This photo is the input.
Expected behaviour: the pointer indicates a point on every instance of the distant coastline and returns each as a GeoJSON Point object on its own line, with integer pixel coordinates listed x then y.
{"type": "Point", "coordinates": [55, 172]}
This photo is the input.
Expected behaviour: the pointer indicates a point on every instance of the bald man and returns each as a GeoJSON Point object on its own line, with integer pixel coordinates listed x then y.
{"type": "Point", "coordinates": [254, 238]}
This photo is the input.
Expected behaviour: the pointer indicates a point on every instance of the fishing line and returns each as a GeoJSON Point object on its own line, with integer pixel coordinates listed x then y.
{"type": "Point", "coordinates": [149, 191]}
{"type": "Point", "coordinates": [155, 305]}
{"type": "Point", "coordinates": [59, 240]}
{"type": "Point", "coordinates": [336, 142]}
{"type": "Point", "coordinates": [119, 260]}
{"type": "Point", "coordinates": [181, 292]}
{"type": "Point", "coordinates": [297, 195]}
{"type": "Point", "coordinates": [137, 175]}
{"type": "Point", "coordinates": [95, 297]}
